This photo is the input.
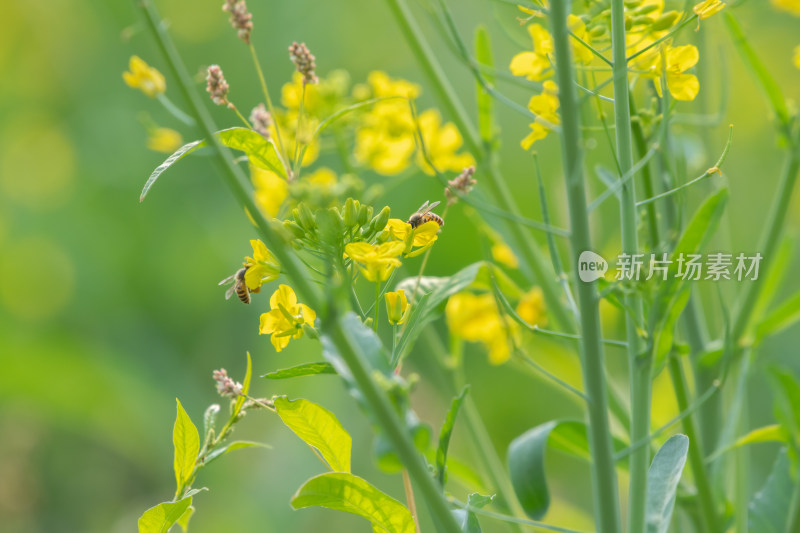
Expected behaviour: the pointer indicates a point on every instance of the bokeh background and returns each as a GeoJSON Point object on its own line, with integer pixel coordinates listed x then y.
{"type": "Point", "coordinates": [109, 309]}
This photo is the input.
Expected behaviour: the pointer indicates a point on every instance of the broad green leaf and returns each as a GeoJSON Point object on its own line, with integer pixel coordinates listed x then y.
{"type": "Point", "coordinates": [232, 447]}
{"type": "Point", "coordinates": [483, 55]}
{"type": "Point", "coordinates": [183, 521]}
{"type": "Point", "coordinates": [772, 433]}
{"type": "Point", "coordinates": [662, 482]}
{"type": "Point", "coordinates": [787, 405]}
{"type": "Point", "coordinates": [345, 492]}
{"type": "Point", "coordinates": [245, 386]}
{"type": "Point", "coordinates": [444, 435]}
{"type": "Point", "coordinates": [307, 369]}
{"type": "Point", "coordinates": [467, 521]}
{"type": "Point", "coordinates": [526, 460]}
{"type": "Point", "coordinates": [319, 428]}
{"type": "Point", "coordinates": [186, 441]}
{"type": "Point", "coordinates": [769, 509]}
{"type": "Point", "coordinates": [785, 315]}
{"type": "Point", "coordinates": [260, 152]}
{"type": "Point", "coordinates": [670, 294]}
{"type": "Point", "coordinates": [751, 59]}
{"type": "Point", "coordinates": [163, 516]}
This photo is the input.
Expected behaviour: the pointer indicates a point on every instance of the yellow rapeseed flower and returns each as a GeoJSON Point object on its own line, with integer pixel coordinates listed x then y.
{"type": "Point", "coordinates": [164, 140]}
{"type": "Point", "coordinates": [397, 307]}
{"type": "Point", "coordinates": [375, 261]}
{"type": "Point", "coordinates": [144, 77]}
{"type": "Point", "coordinates": [286, 317]}
{"type": "Point", "coordinates": [682, 86]}
{"type": "Point", "coordinates": [423, 236]}
{"type": "Point", "coordinates": [706, 8]}
{"type": "Point", "coordinates": [271, 190]}
{"type": "Point", "coordinates": [476, 318]}
{"type": "Point", "coordinates": [441, 144]}
{"type": "Point", "coordinates": [536, 64]}
{"type": "Point", "coordinates": [261, 268]}
{"type": "Point", "coordinates": [578, 28]}
{"type": "Point", "coordinates": [503, 254]}
{"type": "Point", "coordinates": [545, 105]}
{"type": "Point", "coordinates": [791, 6]}
{"type": "Point", "coordinates": [531, 307]}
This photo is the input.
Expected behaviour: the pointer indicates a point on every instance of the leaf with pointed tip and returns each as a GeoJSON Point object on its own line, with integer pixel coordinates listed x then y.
{"type": "Point", "coordinates": [307, 369]}
{"type": "Point", "coordinates": [662, 482]}
{"type": "Point", "coordinates": [444, 435]}
{"type": "Point", "coordinates": [319, 428]}
{"type": "Point", "coordinates": [233, 446]}
{"type": "Point", "coordinates": [245, 386]}
{"type": "Point", "coordinates": [160, 518]}
{"type": "Point", "coordinates": [342, 491]}
{"type": "Point", "coordinates": [186, 441]}
{"type": "Point", "coordinates": [769, 508]}
{"type": "Point", "coordinates": [260, 152]}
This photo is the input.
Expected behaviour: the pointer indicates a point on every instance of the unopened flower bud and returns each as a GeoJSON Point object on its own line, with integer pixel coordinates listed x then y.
{"type": "Point", "coordinates": [461, 184]}
{"type": "Point", "coordinates": [227, 387]}
{"type": "Point", "coordinates": [304, 62]}
{"type": "Point", "coordinates": [241, 19]}
{"type": "Point", "coordinates": [216, 86]}
{"type": "Point", "coordinates": [396, 306]}
{"type": "Point", "coordinates": [261, 120]}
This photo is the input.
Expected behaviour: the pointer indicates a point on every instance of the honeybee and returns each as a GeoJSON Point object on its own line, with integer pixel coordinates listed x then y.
{"type": "Point", "coordinates": [424, 215]}
{"type": "Point", "coordinates": [239, 286]}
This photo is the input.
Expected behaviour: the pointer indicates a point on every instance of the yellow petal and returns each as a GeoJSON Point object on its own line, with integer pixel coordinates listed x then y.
{"type": "Point", "coordinates": [285, 296]}
{"type": "Point", "coordinates": [682, 57]}
{"type": "Point", "coordinates": [683, 86]}
{"type": "Point", "coordinates": [270, 322]}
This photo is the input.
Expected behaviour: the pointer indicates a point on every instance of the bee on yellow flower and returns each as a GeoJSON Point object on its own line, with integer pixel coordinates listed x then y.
{"type": "Point", "coordinates": [285, 319]}
{"type": "Point", "coordinates": [262, 268]}
{"type": "Point", "coordinates": [375, 261]}
{"type": "Point", "coordinates": [144, 77]}
{"type": "Point", "coordinates": [423, 236]}
{"type": "Point", "coordinates": [165, 140]}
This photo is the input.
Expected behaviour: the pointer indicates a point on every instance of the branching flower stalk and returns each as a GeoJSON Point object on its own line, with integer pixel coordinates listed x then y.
{"type": "Point", "coordinates": [236, 181]}
{"type": "Point", "coordinates": [639, 362]}
{"type": "Point", "coordinates": [604, 477]}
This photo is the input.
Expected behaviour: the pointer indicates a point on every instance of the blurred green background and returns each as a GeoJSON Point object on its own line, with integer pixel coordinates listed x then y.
{"type": "Point", "coordinates": [109, 309]}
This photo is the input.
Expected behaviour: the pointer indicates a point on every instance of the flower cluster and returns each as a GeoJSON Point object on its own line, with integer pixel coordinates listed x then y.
{"type": "Point", "coordinates": [304, 61]}
{"type": "Point", "coordinates": [216, 86]}
{"type": "Point", "coordinates": [241, 19]}
{"type": "Point", "coordinates": [226, 386]}
{"type": "Point", "coordinates": [286, 318]}
{"type": "Point", "coordinates": [144, 77]}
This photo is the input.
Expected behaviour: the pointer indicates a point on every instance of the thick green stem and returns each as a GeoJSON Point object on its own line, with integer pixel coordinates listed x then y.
{"type": "Point", "coordinates": [374, 395]}
{"type": "Point", "coordinates": [637, 360]}
{"type": "Point", "coordinates": [450, 101]}
{"type": "Point", "coordinates": [705, 496]}
{"type": "Point", "coordinates": [604, 476]}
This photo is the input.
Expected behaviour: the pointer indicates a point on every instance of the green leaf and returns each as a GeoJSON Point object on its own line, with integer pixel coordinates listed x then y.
{"type": "Point", "coordinates": [444, 435]}
{"type": "Point", "coordinates": [260, 152]}
{"type": "Point", "coordinates": [772, 433]}
{"type": "Point", "coordinates": [526, 460]}
{"type": "Point", "coordinates": [483, 55]}
{"type": "Point", "coordinates": [479, 500]}
{"type": "Point", "coordinates": [785, 315]}
{"type": "Point", "coordinates": [232, 447]}
{"type": "Point", "coordinates": [751, 59]}
{"type": "Point", "coordinates": [670, 293]}
{"type": "Point", "coordinates": [345, 492]}
{"type": "Point", "coordinates": [163, 516]}
{"type": "Point", "coordinates": [662, 482]}
{"type": "Point", "coordinates": [183, 521]}
{"type": "Point", "coordinates": [467, 521]}
{"type": "Point", "coordinates": [319, 428]}
{"type": "Point", "coordinates": [186, 440]}
{"type": "Point", "coordinates": [307, 369]}
{"type": "Point", "coordinates": [787, 404]}
{"type": "Point", "coordinates": [769, 509]}
{"type": "Point", "coordinates": [245, 386]}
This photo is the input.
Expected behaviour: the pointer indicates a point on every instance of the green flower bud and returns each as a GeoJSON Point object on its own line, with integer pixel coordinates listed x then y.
{"type": "Point", "coordinates": [351, 213]}
{"type": "Point", "coordinates": [666, 21]}
{"type": "Point", "coordinates": [294, 229]}
{"type": "Point", "coordinates": [305, 218]}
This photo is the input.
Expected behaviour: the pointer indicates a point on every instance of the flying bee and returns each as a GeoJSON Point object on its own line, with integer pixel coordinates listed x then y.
{"type": "Point", "coordinates": [424, 215]}
{"type": "Point", "coordinates": [238, 286]}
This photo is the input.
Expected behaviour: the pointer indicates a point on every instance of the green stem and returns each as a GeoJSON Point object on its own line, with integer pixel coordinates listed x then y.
{"type": "Point", "coordinates": [794, 510]}
{"type": "Point", "coordinates": [377, 305]}
{"type": "Point", "coordinates": [449, 99]}
{"type": "Point", "coordinates": [705, 496]}
{"type": "Point", "coordinates": [268, 100]}
{"type": "Point", "coordinates": [237, 182]}
{"type": "Point", "coordinates": [604, 476]}
{"type": "Point", "coordinates": [639, 362]}
{"type": "Point", "coordinates": [647, 178]}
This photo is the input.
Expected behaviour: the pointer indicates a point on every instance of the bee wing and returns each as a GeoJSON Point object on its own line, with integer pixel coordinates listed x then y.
{"type": "Point", "coordinates": [230, 292]}
{"type": "Point", "coordinates": [426, 208]}
{"type": "Point", "coordinates": [229, 279]}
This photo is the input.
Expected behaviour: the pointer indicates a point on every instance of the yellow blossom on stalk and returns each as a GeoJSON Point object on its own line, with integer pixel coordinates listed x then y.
{"type": "Point", "coordinates": [423, 236]}
{"type": "Point", "coordinates": [261, 268]}
{"type": "Point", "coordinates": [534, 65]}
{"type": "Point", "coordinates": [797, 56]}
{"type": "Point", "coordinates": [706, 8]}
{"type": "Point", "coordinates": [545, 106]}
{"type": "Point", "coordinates": [682, 86]}
{"type": "Point", "coordinates": [791, 6]}
{"type": "Point", "coordinates": [476, 318]}
{"type": "Point", "coordinates": [503, 254]}
{"type": "Point", "coordinates": [375, 261]}
{"type": "Point", "coordinates": [578, 28]}
{"type": "Point", "coordinates": [383, 86]}
{"type": "Point", "coordinates": [286, 318]}
{"type": "Point", "coordinates": [397, 307]}
{"type": "Point", "coordinates": [270, 190]}
{"type": "Point", "coordinates": [164, 140]}
{"type": "Point", "coordinates": [441, 144]}
{"type": "Point", "coordinates": [144, 77]}
{"type": "Point", "coordinates": [531, 307]}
